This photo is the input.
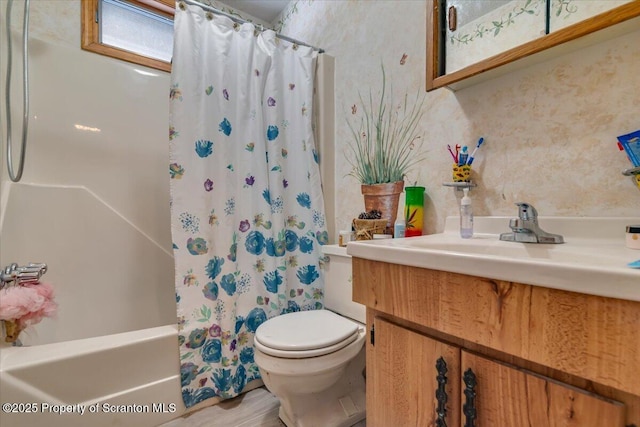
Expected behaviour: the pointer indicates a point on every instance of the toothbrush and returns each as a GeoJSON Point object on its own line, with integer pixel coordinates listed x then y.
{"type": "Point", "coordinates": [472, 156]}
{"type": "Point", "coordinates": [455, 158]}
{"type": "Point", "coordinates": [634, 264]}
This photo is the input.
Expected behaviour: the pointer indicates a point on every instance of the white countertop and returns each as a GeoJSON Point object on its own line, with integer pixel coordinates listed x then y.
{"type": "Point", "coordinates": [593, 260]}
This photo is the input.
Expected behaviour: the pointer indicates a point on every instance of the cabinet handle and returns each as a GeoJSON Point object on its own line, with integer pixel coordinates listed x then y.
{"type": "Point", "coordinates": [469, 408]}
{"type": "Point", "coordinates": [441, 392]}
{"type": "Point", "coordinates": [372, 335]}
{"type": "Point", "coordinates": [453, 18]}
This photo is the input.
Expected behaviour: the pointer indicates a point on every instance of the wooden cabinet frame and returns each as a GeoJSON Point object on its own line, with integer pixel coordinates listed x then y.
{"type": "Point", "coordinates": [607, 25]}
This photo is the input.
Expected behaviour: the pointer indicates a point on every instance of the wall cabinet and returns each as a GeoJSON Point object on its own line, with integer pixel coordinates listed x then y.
{"type": "Point", "coordinates": [479, 29]}
{"type": "Point", "coordinates": [515, 355]}
{"type": "Point", "coordinates": [564, 13]}
{"type": "Point", "coordinates": [469, 41]}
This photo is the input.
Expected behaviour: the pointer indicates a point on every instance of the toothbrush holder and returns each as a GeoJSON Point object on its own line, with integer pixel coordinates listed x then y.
{"type": "Point", "coordinates": [461, 173]}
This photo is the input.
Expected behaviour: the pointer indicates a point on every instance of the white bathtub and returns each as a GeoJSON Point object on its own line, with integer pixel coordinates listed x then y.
{"type": "Point", "coordinates": [115, 339]}
{"type": "Point", "coordinates": [113, 347]}
{"type": "Point", "coordinates": [138, 370]}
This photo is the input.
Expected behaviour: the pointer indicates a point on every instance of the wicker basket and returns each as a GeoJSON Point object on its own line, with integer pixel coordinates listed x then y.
{"type": "Point", "coordinates": [366, 228]}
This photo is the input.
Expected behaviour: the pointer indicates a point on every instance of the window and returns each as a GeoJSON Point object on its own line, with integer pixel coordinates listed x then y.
{"type": "Point", "coordinates": [138, 31]}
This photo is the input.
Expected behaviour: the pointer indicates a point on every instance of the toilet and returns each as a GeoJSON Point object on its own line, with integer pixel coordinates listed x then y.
{"type": "Point", "coordinates": [313, 361]}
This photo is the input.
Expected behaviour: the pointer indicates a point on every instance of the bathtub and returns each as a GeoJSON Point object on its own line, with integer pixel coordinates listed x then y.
{"type": "Point", "coordinates": [126, 379]}
{"type": "Point", "coordinates": [114, 340]}
{"type": "Point", "coordinates": [110, 357]}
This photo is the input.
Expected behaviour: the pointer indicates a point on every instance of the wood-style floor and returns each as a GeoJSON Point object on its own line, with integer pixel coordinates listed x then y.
{"type": "Point", "coordinates": [256, 408]}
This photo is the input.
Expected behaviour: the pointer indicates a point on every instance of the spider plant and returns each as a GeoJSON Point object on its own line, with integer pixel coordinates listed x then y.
{"type": "Point", "coordinates": [386, 143]}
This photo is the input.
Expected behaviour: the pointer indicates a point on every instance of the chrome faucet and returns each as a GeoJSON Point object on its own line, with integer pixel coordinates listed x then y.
{"type": "Point", "coordinates": [15, 274]}
{"type": "Point", "coordinates": [526, 229]}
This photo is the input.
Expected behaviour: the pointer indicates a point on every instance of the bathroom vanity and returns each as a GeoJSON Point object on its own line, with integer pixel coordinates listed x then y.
{"type": "Point", "coordinates": [504, 346]}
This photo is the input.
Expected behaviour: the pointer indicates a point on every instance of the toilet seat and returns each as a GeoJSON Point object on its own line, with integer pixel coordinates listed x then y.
{"type": "Point", "coordinates": [305, 334]}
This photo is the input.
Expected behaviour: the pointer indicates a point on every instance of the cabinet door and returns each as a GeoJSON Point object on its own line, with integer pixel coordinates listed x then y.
{"type": "Point", "coordinates": [506, 397]}
{"type": "Point", "coordinates": [402, 378]}
{"type": "Point", "coordinates": [563, 13]}
{"type": "Point", "coordinates": [479, 29]}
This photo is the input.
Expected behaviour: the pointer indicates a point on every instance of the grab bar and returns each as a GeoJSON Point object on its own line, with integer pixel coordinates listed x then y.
{"type": "Point", "coordinates": [29, 274]}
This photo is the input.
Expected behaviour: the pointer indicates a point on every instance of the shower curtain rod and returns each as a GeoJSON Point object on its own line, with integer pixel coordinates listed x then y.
{"type": "Point", "coordinates": [243, 21]}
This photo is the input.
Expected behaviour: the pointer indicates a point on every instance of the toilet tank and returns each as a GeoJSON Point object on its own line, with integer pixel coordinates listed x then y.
{"type": "Point", "coordinates": [338, 284]}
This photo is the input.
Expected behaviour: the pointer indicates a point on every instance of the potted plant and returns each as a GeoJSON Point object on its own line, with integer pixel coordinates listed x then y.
{"type": "Point", "coordinates": [384, 147]}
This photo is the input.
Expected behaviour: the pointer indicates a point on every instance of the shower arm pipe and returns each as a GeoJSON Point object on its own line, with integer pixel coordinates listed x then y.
{"type": "Point", "coordinates": [15, 177]}
{"type": "Point", "coordinates": [244, 21]}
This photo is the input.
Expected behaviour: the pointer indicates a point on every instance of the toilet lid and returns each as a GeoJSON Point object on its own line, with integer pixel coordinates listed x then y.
{"type": "Point", "coordinates": [306, 330]}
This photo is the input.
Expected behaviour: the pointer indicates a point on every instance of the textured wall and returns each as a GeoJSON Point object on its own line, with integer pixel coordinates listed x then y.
{"type": "Point", "coordinates": [550, 129]}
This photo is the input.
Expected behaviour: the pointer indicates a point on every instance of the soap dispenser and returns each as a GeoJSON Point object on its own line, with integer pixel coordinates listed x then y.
{"type": "Point", "coordinates": [466, 216]}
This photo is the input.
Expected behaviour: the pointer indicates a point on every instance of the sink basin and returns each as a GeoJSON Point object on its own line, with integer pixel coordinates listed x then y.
{"type": "Point", "coordinates": [578, 252]}
{"type": "Point", "coordinates": [593, 259]}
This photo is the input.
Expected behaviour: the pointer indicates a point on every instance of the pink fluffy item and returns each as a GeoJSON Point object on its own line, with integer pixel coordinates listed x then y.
{"type": "Point", "coordinates": [25, 305]}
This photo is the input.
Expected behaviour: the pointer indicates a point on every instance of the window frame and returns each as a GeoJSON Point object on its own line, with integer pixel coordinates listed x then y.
{"type": "Point", "coordinates": [90, 37]}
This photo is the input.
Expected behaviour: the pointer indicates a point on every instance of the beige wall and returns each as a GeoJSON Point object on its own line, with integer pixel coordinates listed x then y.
{"type": "Point", "coordinates": [550, 129]}
{"type": "Point", "coordinates": [535, 121]}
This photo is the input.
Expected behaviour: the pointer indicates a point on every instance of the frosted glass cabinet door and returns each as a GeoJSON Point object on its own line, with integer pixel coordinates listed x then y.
{"type": "Point", "coordinates": [484, 28]}
{"type": "Point", "coordinates": [567, 12]}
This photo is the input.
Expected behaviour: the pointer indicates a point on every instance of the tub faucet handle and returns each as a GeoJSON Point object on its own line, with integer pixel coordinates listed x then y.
{"type": "Point", "coordinates": [30, 273]}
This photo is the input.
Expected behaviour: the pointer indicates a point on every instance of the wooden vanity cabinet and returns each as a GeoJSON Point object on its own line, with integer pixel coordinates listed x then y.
{"type": "Point", "coordinates": [539, 357]}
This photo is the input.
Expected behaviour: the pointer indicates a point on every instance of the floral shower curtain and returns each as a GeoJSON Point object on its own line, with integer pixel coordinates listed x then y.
{"type": "Point", "coordinates": [246, 203]}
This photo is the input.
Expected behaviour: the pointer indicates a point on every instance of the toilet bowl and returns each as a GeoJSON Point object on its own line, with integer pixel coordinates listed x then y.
{"type": "Point", "coordinates": [313, 361]}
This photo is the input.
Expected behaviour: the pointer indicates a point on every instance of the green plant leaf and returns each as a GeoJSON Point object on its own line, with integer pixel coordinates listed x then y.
{"type": "Point", "coordinates": [386, 143]}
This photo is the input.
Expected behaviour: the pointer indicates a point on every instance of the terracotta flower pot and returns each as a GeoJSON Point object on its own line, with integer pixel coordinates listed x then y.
{"type": "Point", "coordinates": [383, 197]}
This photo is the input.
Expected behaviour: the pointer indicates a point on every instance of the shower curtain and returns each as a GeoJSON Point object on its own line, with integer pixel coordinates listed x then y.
{"type": "Point", "coordinates": [246, 202]}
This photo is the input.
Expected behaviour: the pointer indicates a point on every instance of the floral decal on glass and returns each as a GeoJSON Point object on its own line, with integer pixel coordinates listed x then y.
{"type": "Point", "coordinates": [566, 7]}
{"type": "Point", "coordinates": [495, 26]}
